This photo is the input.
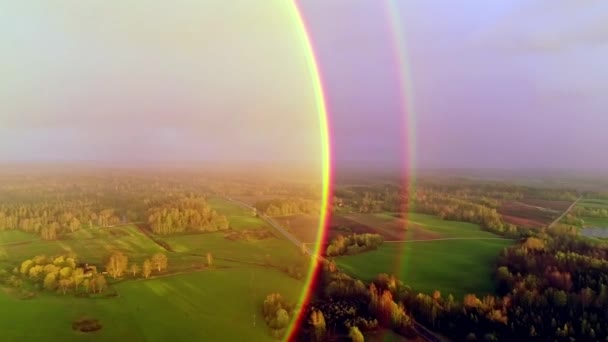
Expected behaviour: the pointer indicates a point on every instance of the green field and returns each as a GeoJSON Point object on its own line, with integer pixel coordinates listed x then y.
{"type": "Point", "coordinates": [16, 236]}
{"type": "Point", "coordinates": [450, 266]}
{"type": "Point", "coordinates": [206, 306]}
{"type": "Point", "coordinates": [594, 203]}
{"type": "Point", "coordinates": [225, 298]}
{"type": "Point", "coordinates": [90, 245]}
{"type": "Point", "coordinates": [239, 217]}
{"type": "Point", "coordinates": [601, 222]}
{"type": "Point", "coordinates": [418, 224]}
{"type": "Point", "coordinates": [93, 244]}
{"type": "Point", "coordinates": [598, 222]}
{"type": "Point", "coordinates": [169, 308]}
{"type": "Point", "coordinates": [447, 229]}
{"type": "Point", "coordinates": [257, 251]}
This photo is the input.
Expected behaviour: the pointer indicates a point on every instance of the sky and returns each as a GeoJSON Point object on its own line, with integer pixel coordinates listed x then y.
{"type": "Point", "coordinates": [154, 81]}
{"type": "Point", "coordinates": [494, 84]}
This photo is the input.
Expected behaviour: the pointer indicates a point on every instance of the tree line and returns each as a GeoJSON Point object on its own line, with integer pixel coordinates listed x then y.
{"type": "Point", "coordinates": [60, 204]}
{"type": "Point", "coordinates": [287, 206]}
{"type": "Point", "coordinates": [186, 214]}
{"type": "Point", "coordinates": [65, 274]}
{"type": "Point", "coordinates": [353, 244]}
{"type": "Point", "coordinates": [60, 274]}
{"type": "Point", "coordinates": [448, 207]}
{"type": "Point", "coordinates": [118, 265]}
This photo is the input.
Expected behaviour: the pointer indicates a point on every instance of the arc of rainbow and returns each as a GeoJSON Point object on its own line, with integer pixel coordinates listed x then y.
{"type": "Point", "coordinates": [326, 174]}
{"type": "Point", "coordinates": [397, 30]}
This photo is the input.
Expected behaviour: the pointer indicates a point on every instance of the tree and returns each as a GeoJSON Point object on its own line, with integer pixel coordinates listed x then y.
{"type": "Point", "coordinates": [134, 269]}
{"type": "Point", "coordinates": [117, 264]}
{"type": "Point", "coordinates": [534, 244]}
{"type": "Point", "coordinates": [317, 320]}
{"type": "Point", "coordinates": [77, 277]}
{"type": "Point", "coordinates": [282, 319]}
{"type": "Point", "coordinates": [74, 224]}
{"type": "Point", "coordinates": [101, 283]}
{"type": "Point", "coordinates": [64, 285]}
{"type": "Point", "coordinates": [35, 272]}
{"type": "Point", "coordinates": [50, 281]}
{"type": "Point", "coordinates": [65, 272]}
{"type": "Point", "coordinates": [159, 260]}
{"type": "Point", "coordinates": [209, 259]}
{"type": "Point", "coordinates": [146, 268]}
{"type": "Point", "coordinates": [25, 266]}
{"type": "Point", "coordinates": [355, 334]}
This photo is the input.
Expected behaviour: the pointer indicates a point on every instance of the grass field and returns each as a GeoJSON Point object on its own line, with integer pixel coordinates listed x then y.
{"type": "Point", "coordinates": [15, 236]}
{"type": "Point", "coordinates": [197, 305]}
{"type": "Point", "coordinates": [594, 203]}
{"type": "Point", "coordinates": [50, 317]}
{"type": "Point", "coordinates": [169, 308]}
{"type": "Point", "coordinates": [95, 244]}
{"type": "Point", "coordinates": [595, 222]}
{"type": "Point", "coordinates": [239, 217]}
{"type": "Point", "coordinates": [206, 306]}
{"type": "Point", "coordinates": [601, 222]}
{"type": "Point", "coordinates": [450, 266]}
{"type": "Point", "coordinates": [420, 226]}
{"type": "Point", "coordinates": [248, 251]}
{"type": "Point", "coordinates": [90, 245]}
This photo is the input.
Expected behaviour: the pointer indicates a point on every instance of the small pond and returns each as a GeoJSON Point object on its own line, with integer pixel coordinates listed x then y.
{"type": "Point", "coordinates": [598, 232]}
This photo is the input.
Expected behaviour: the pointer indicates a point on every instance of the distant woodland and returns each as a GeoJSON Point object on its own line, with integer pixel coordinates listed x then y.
{"type": "Point", "coordinates": [288, 206]}
{"type": "Point", "coordinates": [53, 206]}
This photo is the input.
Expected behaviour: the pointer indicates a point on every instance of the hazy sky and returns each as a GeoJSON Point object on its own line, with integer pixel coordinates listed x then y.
{"type": "Point", "coordinates": [154, 80]}
{"type": "Point", "coordinates": [502, 83]}
{"type": "Point", "coordinates": [499, 83]}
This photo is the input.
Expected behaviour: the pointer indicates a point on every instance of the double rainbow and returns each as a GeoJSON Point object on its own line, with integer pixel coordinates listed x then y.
{"type": "Point", "coordinates": [407, 107]}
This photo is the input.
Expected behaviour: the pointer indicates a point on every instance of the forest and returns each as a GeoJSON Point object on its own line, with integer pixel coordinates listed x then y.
{"type": "Point", "coordinates": [54, 206]}
{"type": "Point", "coordinates": [551, 285]}
{"type": "Point", "coordinates": [187, 214]}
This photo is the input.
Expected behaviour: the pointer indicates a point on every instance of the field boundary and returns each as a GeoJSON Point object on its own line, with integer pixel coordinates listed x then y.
{"type": "Point", "coordinates": [565, 212]}
{"type": "Point", "coordinates": [431, 240]}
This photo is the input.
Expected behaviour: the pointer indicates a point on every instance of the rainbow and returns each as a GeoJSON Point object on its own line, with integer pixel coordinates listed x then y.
{"type": "Point", "coordinates": [409, 159]}
{"type": "Point", "coordinates": [326, 167]}
{"type": "Point", "coordinates": [397, 31]}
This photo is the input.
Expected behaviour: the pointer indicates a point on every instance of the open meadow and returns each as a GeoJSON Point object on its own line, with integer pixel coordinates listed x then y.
{"type": "Point", "coordinates": [188, 301]}
{"type": "Point", "coordinates": [198, 306]}
{"type": "Point", "coordinates": [458, 259]}
{"type": "Point", "coordinates": [240, 218]}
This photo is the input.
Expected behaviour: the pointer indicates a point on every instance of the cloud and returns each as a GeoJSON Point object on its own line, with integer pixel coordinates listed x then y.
{"type": "Point", "coordinates": [549, 26]}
